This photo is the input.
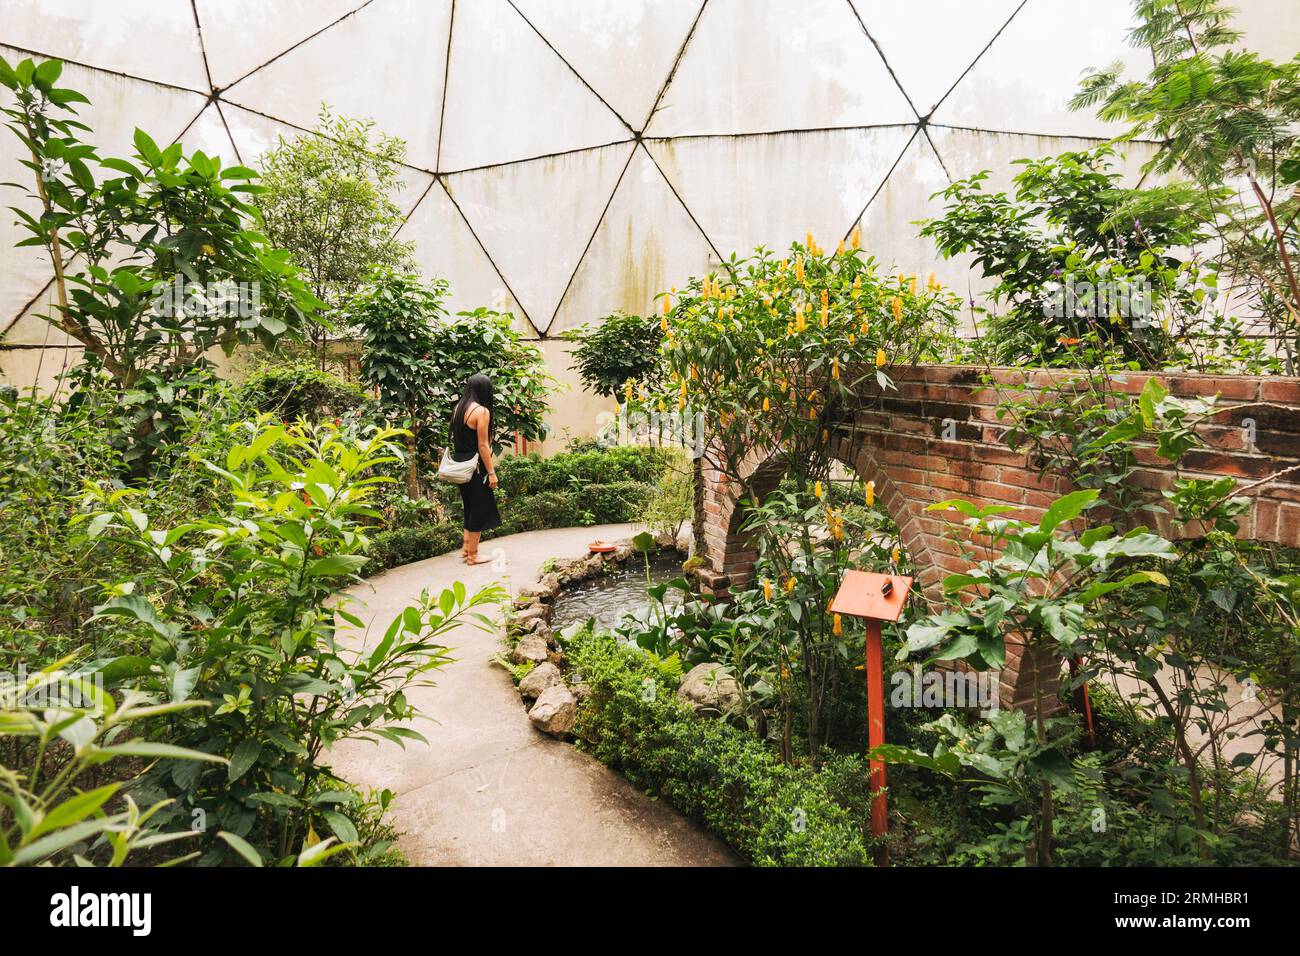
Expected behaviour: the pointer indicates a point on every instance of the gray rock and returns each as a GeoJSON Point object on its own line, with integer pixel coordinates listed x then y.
{"type": "Point", "coordinates": [544, 589]}
{"type": "Point", "coordinates": [530, 648]}
{"type": "Point", "coordinates": [580, 692]}
{"type": "Point", "coordinates": [554, 711]}
{"type": "Point", "coordinates": [539, 679]}
{"type": "Point", "coordinates": [539, 611]}
{"type": "Point", "coordinates": [710, 688]}
{"type": "Point", "coordinates": [665, 540]}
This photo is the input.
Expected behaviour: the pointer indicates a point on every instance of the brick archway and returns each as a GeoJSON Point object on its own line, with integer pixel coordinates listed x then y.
{"type": "Point", "coordinates": [938, 437]}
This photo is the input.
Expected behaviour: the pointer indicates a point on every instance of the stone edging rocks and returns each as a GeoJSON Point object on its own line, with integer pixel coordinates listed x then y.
{"type": "Point", "coordinates": [548, 690]}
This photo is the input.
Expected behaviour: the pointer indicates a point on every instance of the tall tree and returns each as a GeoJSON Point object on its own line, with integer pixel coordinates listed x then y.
{"type": "Point", "coordinates": [328, 197]}
{"type": "Point", "coordinates": [1222, 115]}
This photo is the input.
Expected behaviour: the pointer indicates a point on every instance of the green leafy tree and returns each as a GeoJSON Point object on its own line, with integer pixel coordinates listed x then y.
{"type": "Point", "coordinates": [156, 259]}
{"type": "Point", "coordinates": [1220, 114]}
{"type": "Point", "coordinates": [1079, 281]}
{"type": "Point", "coordinates": [396, 314]}
{"type": "Point", "coordinates": [1039, 588]}
{"type": "Point", "coordinates": [486, 341]}
{"type": "Point", "coordinates": [620, 348]}
{"type": "Point", "coordinates": [418, 360]}
{"type": "Point", "coordinates": [327, 197]}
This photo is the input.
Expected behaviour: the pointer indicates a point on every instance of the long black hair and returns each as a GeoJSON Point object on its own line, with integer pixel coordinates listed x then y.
{"type": "Point", "coordinates": [477, 389]}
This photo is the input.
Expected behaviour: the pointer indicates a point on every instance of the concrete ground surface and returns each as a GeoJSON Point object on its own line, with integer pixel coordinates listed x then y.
{"type": "Point", "coordinates": [489, 790]}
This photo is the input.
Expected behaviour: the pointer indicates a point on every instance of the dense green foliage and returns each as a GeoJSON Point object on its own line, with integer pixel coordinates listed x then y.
{"type": "Point", "coordinates": [772, 813]}
{"type": "Point", "coordinates": [618, 349]}
{"type": "Point", "coordinates": [327, 197]}
{"type": "Point", "coordinates": [1220, 114]}
{"type": "Point", "coordinates": [299, 390]}
{"type": "Point", "coordinates": [203, 602]}
{"type": "Point", "coordinates": [157, 258]}
{"type": "Point", "coordinates": [1078, 285]}
{"type": "Point", "coordinates": [418, 362]}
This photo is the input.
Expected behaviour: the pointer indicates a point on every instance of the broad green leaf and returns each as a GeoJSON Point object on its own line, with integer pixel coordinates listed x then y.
{"type": "Point", "coordinates": [73, 810]}
{"type": "Point", "coordinates": [242, 847]}
{"type": "Point", "coordinates": [245, 755]}
{"type": "Point", "coordinates": [1066, 508]}
{"type": "Point", "coordinates": [335, 564]}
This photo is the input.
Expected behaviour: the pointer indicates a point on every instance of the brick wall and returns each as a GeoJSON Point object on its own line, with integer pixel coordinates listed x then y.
{"type": "Point", "coordinates": [938, 437]}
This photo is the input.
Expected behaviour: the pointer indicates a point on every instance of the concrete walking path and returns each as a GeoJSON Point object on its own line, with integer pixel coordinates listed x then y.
{"type": "Point", "coordinates": [489, 789]}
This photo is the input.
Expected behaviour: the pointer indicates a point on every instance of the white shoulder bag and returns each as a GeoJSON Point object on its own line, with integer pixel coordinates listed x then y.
{"type": "Point", "coordinates": [456, 472]}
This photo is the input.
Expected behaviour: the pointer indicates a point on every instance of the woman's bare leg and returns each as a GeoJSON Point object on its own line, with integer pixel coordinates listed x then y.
{"type": "Point", "coordinates": [471, 548]}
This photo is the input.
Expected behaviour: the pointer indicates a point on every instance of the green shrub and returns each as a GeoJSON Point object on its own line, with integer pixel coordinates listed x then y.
{"type": "Point", "coordinates": [240, 611]}
{"type": "Point", "coordinates": [773, 814]}
{"type": "Point", "coordinates": [302, 391]}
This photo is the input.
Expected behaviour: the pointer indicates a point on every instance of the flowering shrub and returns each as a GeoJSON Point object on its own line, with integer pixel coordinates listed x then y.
{"type": "Point", "coordinates": [772, 352]}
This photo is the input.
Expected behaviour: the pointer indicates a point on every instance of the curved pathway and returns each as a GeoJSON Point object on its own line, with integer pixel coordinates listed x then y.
{"type": "Point", "coordinates": [489, 789]}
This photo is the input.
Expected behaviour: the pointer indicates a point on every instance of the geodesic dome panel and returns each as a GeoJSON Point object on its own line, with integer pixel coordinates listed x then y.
{"type": "Point", "coordinates": [567, 158]}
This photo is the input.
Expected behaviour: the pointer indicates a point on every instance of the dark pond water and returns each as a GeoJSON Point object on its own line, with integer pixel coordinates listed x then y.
{"type": "Point", "coordinates": [608, 597]}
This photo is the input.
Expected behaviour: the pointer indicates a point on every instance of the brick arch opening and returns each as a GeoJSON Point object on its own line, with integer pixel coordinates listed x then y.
{"type": "Point", "coordinates": [938, 436]}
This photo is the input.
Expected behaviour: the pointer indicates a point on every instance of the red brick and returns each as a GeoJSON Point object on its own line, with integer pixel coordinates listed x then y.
{"type": "Point", "coordinates": [1283, 390]}
{"type": "Point", "coordinates": [1266, 515]}
{"type": "Point", "coordinates": [1288, 524]}
{"type": "Point", "coordinates": [1205, 386]}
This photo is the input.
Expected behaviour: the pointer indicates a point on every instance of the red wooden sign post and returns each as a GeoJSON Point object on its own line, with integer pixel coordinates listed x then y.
{"type": "Point", "coordinates": [874, 598]}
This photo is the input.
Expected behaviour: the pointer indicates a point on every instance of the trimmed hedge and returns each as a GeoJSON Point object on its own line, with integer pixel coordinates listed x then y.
{"type": "Point", "coordinates": [773, 814]}
{"type": "Point", "coordinates": [535, 493]}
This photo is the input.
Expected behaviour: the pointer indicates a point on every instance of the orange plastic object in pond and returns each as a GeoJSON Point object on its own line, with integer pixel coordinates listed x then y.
{"type": "Point", "coordinates": [874, 598]}
{"type": "Point", "coordinates": [600, 547]}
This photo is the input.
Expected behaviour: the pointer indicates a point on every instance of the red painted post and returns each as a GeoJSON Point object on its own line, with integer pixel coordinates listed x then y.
{"type": "Point", "coordinates": [1083, 704]}
{"type": "Point", "coordinates": [876, 735]}
{"type": "Point", "coordinates": [874, 598]}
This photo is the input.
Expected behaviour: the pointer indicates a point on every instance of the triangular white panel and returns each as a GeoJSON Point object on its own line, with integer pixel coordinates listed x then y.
{"type": "Point", "coordinates": [384, 63]}
{"type": "Point", "coordinates": [574, 411]}
{"type": "Point", "coordinates": [208, 133]}
{"type": "Point", "coordinates": [153, 39]}
{"type": "Point", "coordinates": [42, 365]}
{"type": "Point", "coordinates": [444, 246]}
{"type": "Point", "coordinates": [536, 218]}
{"type": "Point", "coordinates": [234, 50]}
{"type": "Point", "coordinates": [762, 65]}
{"type": "Point", "coordinates": [510, 97]}
{"type": "Point", "coordinates": [254, 135]}
{"type": "Point", "coordinates": [967, 152]}
{"type": "Point", "coordinates": [646, 244]}
{"type": "Point", "coordinates": [623, 48]}
{"type": "Point", "coordinates": [29, 326]}
{"type": "Point", "coordinates": [1025, 80]}
{"type": "Point", "coordinates": [1269, 27]}
{"type": "Point", "coordinates": [771, 190]}
{"type": "Point", "coordinates": [929, 43]}
{"type": "Point", "coordinates": [891, 232]}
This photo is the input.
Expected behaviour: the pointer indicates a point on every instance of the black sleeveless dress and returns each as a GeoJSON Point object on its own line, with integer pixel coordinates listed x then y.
{"type": "Point", "coordinates": [480, 502]}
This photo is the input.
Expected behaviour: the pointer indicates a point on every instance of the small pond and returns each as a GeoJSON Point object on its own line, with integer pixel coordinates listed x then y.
{"type": "Point", "coordinates": [608, 597]}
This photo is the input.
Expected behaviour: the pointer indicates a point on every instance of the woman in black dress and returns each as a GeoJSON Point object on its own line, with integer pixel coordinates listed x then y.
{"type": "Point", "coordinates": [471, 432]}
